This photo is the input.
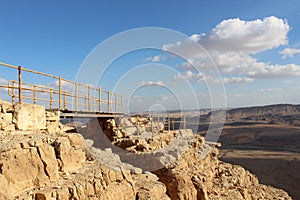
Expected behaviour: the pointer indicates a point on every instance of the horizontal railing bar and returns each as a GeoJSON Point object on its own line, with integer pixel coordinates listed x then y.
{"type": "Point", "coordinates": [109, 102]}
{"type": "Point", "coordinates": [8, 65]}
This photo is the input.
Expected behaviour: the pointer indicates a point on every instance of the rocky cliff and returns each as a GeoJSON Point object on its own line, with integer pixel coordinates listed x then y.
{"type": "Point", "coordinates": [48, 163]}
{"type": "Point", "coordinates": [280, 114]}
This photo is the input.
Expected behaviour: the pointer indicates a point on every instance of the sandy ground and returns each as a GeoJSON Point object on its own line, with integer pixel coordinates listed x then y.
{"type": "Point", "coordinates": [271, 152]}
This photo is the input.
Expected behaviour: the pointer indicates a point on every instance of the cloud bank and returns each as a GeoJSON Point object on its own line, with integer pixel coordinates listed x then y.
{"type": "Point", "coordinates": [289, 52]}
{"type": "Point", "coordinates": [232, 45]}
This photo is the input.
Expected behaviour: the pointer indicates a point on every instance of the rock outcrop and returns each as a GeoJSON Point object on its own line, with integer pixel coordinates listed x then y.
{"type": "Point", "coordinates": [47, 164]}
{"type": "Point", "coordinates": [38, 166]}
{"type": "Point", "coordinates": [6, 116]}
{"type": "Point", "coordinates": [29, 117]}
{"type": "Point", "coordinates": [195, 177]}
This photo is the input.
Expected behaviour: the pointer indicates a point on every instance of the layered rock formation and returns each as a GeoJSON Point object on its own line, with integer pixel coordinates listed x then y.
{"type": "Point", "coordinates": [195, 177]}
{"type": "Point", "coordinates": [50, 164]}
{"type": "Point", "coordinates": [6, 116]}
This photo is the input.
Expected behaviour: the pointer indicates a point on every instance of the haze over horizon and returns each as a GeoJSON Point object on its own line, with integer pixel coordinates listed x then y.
{"type": "Point", "coordinates": [254, 45]}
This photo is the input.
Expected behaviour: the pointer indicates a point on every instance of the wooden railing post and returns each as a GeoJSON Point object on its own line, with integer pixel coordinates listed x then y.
{"type": "Point", "coordinates": [152, 130]}
{"type": "Point", "coordinates": [108, 101]}
{"type": "Point", "coordinates": [60, 92]}
{"type": "Point", "coordinates": [13, 93]}
{"type": "Point", "coordinates": [89, 106]}
{"type": "Point", "coordinates": [94, 103]}
{"type": "Point", "coordinates": [173, 125]}
{"type": "Point", "coordinates": [100, 100]}
{"type": "Point", "coordinates": [184, 121]}
{"type": "Point", "coordinates": [76, 96]}
{"type": "Point", "coordinates": [122, 104]}
{"type": "Point", "coordinates": [116, 103]}
{"type": "Point", "coordinates": [51, 98]}
{"type": "Point", "coordinates": [169, 122]}
{"type": "Point", "coordinates": [20, 83]}
{"type": "Point", "coordinates": [65, 100]}
{"type": "Point", "coordinates": [34, 94]}
{"type": "Point", "coordinates": [138, 127]}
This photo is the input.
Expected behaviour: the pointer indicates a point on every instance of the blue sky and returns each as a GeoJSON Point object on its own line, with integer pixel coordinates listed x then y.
{"type": "Point", "coordinates": [57, 36]}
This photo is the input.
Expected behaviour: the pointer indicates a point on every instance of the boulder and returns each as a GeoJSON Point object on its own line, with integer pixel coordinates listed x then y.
{"type": "Point", "coordinates": [5, 106]}
{"type": "Point", "coordinates": [21, 169]}
{"type": "Point", "coordinates": [29, 117]}
{"type": "Point", "coordinates": [47, 155]}
{"type": "Point", "coordinates": [72, 158]}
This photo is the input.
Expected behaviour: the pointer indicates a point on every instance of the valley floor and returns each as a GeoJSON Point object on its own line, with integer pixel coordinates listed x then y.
{"type": "Point", "coordinates": [270, 151]}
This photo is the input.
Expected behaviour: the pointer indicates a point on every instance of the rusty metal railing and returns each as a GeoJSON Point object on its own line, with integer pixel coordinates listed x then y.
{"type": "Point", "coordinates": [65, 94]}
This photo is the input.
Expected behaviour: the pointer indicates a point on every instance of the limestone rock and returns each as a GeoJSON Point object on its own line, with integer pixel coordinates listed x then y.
{"type": "Point", "coordinates": [53, 128]}
{"type": "Point", "coordinates": [196, 177]}
{"type": "Point", "coordinates": [47, 155]}
{"type": "Point", "coordinates": [76, 140]}
{"type": "Point", "coordinates": [52, 116]}
{"type": "Point", "coordinates": [6, 122]}
{"type": "Point", "coordinates": [29, 117]}
{"type": "Point", "coordinates": [151, 189]}
{"type": "Point", "coordinates": [21, 169]}
{"type": "Point", "coordinates": [36, 165]}
{"type": "Point", "coordinates": [5, 106]}
{"type": "Point", "coordinates": [71, 157]}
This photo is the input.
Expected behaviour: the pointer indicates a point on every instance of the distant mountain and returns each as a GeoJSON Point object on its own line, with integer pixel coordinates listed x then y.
{"type": "Point", "coordinates": [279, 109]}
{"type": "Point", "coordinates": [274, 114]}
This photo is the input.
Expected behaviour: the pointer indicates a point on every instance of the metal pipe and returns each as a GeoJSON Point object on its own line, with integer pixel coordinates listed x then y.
{"type": "Point", "coordinates": [76, 96]}
{"type": "Point", "coordinates": [100, 100]}
{"type": "Point", "coordinates": [122, 104]}
{"type": "Point", "coordinates": [65, 100]}
{"type": "Point", "coordinates": [89, 106]}
{"type": "Point", "coordinates": [169, 122]}
{"type": "Point", "coordinates": [20, 83]}
{"type": "Point", "coordinates": [13, 93]}
{"type": "Point", "coordinates": [60, 92]}
{"type": "Point", "coordinates": [34, 94]}
{"type": "Point", "coordinates": [116, 103]}
{"type": "Point", "coordinates": [51, 98]}
{"type": "Point", "coordinates": [108, 101]}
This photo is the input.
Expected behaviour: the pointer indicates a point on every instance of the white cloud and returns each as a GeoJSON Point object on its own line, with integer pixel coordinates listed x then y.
{"type": "Point", "coordinates": [238, 80]}
{"type": "Point", "coordinates": [247, 36]}
{"type": "Point", "coordinates": [156, 58]}
{"type": "Point", "coordinates": [136, 99]}
{"type": "Point", "coordinates": [275, 71]}
{"type": "Point", "coordinates": [271, 90]}
{"type": "Point", "coordinates": [288, 81]}
{"type": "Point", "coordinates": [3, 81]}
{"type": "Point", "coordinates": [165, 99]}
{"type": "Point", "coordinates": [231, 46]}
{"type": "Point", "coordinates": [68, 87]}
{"type": "Point", "coordinates": [289, 52]}
{"type": "Point", "coordinates": [242, 64]}
{"type": "Point", "coordinates": [233, 80]}
{"type": "Point", "coordinates": [151, 83]}
{"type": "Point", "coordinates": [188, 75]}
{"type": "Point", "coordinates": [239, 35]}
{"type": "Point", "coordinates": [65, 85]}
{"type": "Point", "coordinates": [235, 95]}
